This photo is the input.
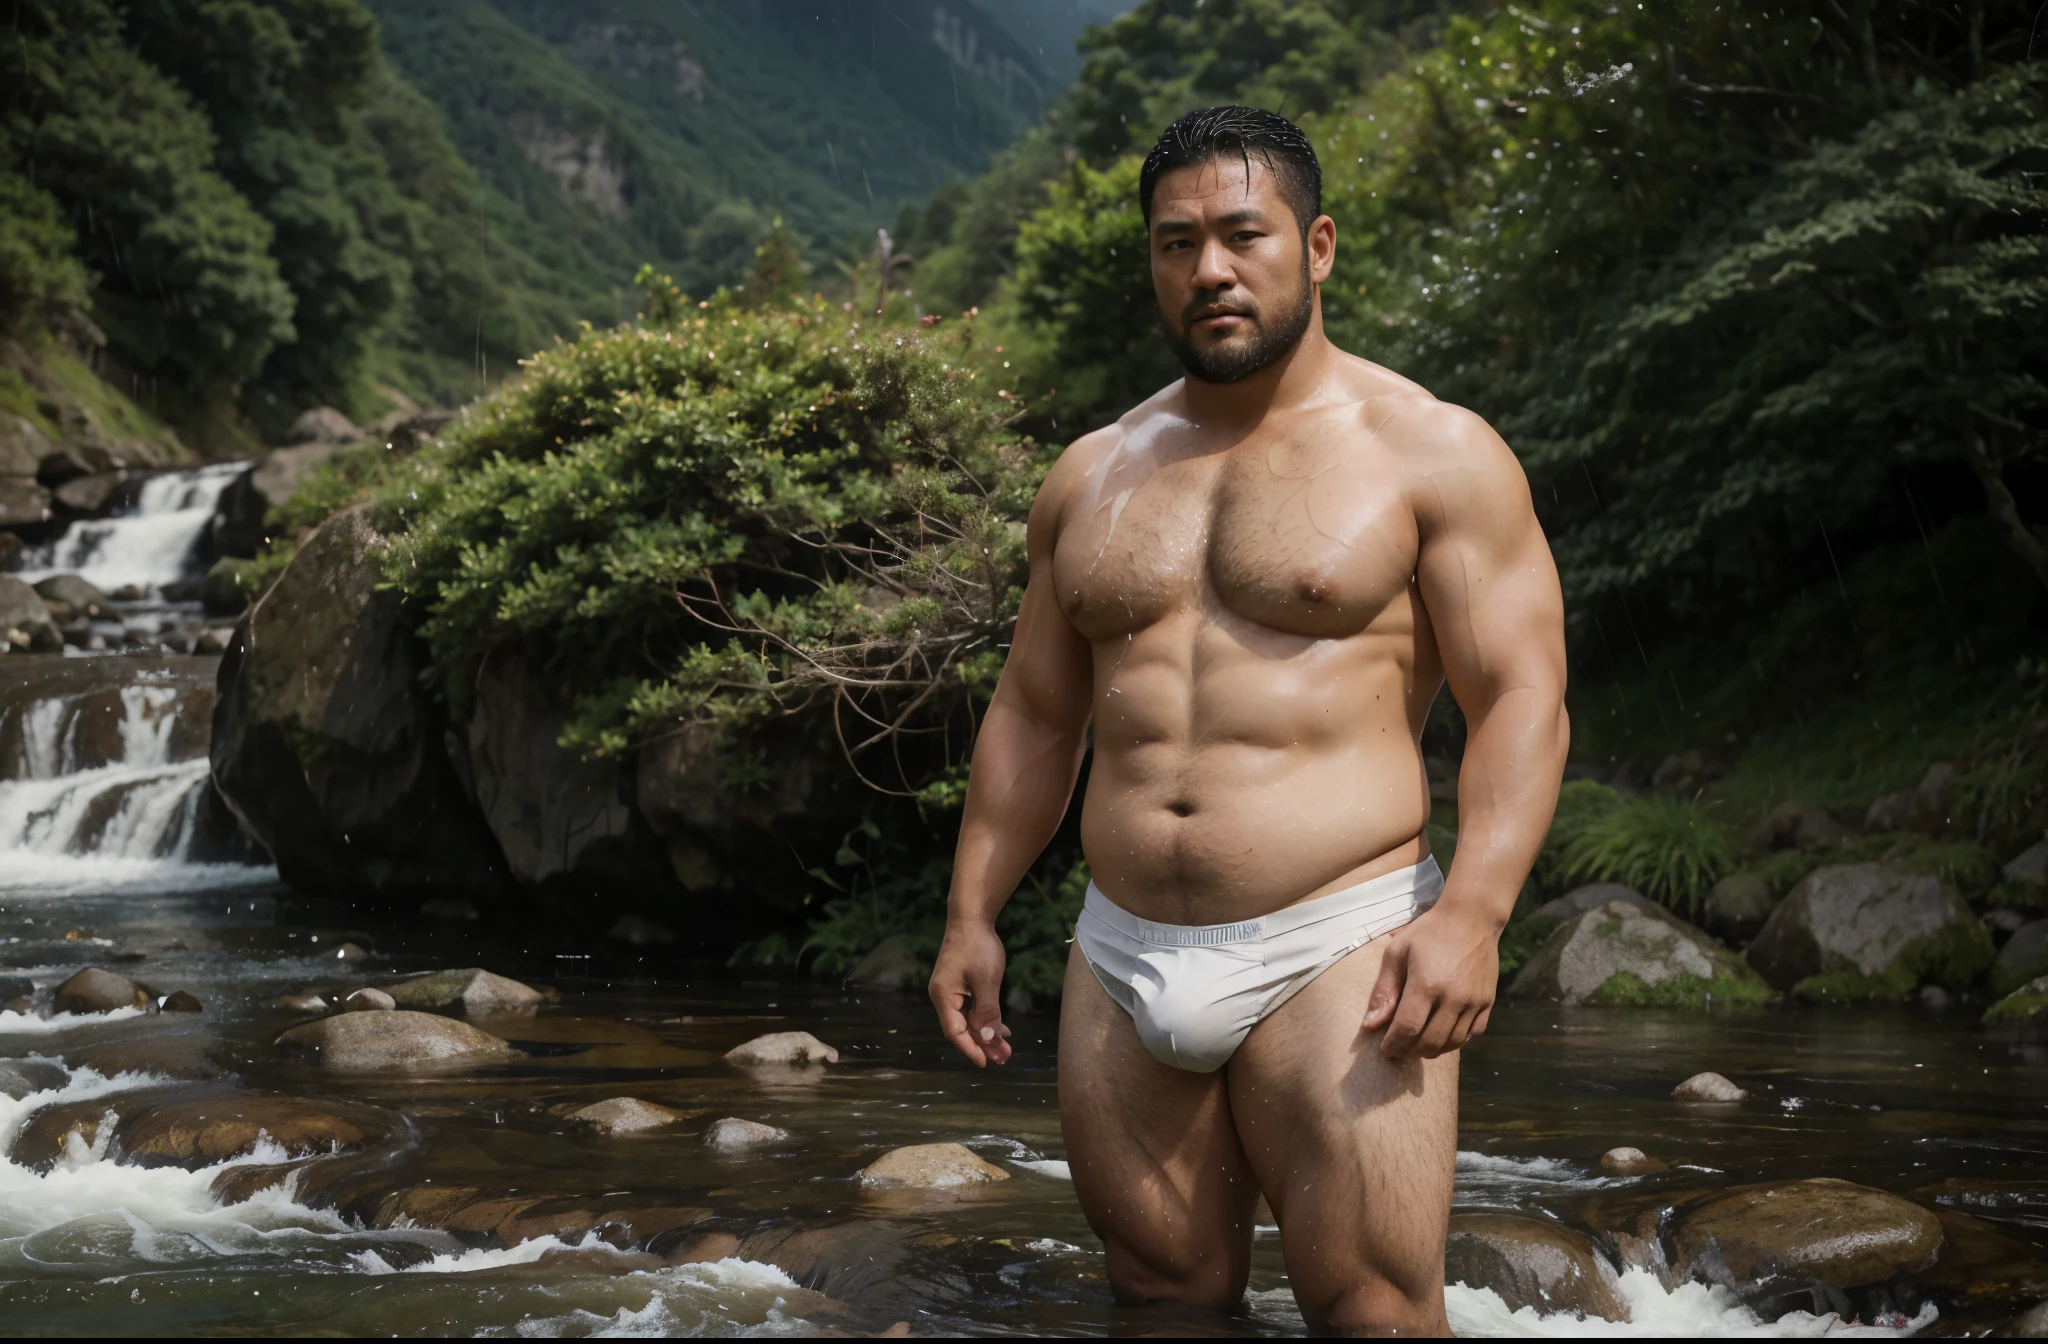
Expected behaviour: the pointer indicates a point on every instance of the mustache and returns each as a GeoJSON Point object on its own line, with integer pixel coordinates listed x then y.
{"type": "Point", "coordinates": [1208, 303]}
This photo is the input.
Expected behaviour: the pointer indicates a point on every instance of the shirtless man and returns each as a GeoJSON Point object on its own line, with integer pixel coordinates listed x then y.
{"type": "Point", "coordinates": [1253, 586]}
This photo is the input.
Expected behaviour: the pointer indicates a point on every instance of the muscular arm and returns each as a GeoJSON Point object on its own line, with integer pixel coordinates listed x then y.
{"type": "Point", "coordinates": [1026, 757]}
{"type": "Point", "coordinates": [1491, 590]}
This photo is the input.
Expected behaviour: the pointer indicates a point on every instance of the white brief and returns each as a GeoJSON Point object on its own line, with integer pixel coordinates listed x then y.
{"type": "Point", "coordinates": [1195, 991]}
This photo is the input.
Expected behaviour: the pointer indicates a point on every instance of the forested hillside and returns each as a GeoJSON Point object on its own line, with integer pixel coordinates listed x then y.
{"type": "Point", "coordinates": [251, 207]}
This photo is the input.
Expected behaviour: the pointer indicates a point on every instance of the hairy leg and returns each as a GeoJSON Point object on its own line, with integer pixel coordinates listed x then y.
{"type": "Point", "coordinates": [1355, 1152]}
{"type": "Point", "coordinates": [1155, 1158]}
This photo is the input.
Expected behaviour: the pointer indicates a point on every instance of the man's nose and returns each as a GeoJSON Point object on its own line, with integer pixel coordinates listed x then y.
{"type": "Point", "coordinates": [1214, 268]}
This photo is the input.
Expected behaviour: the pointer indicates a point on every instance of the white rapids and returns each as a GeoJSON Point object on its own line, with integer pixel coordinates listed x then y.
{"type": "Point", "coordinates": [154, 544]}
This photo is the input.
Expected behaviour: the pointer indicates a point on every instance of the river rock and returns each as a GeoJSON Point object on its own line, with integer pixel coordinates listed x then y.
{"type": "Point", "coordinates": [2030, 865]}
{"type": "Point", "coordinates": [93, 494]}
{"type": "Point", "coordinates": [1592, 896]}
{"type": "Point", "coordinates": [221, 592]}
{"type": "Point", "coordinates": [1843, 1234]}
{"type": "Point", "coordinates": [1710, 1087]}
{"type": "Point", "coordinates": [371, 1042]}
{"type": "Point", "coordinates": [890, 964]}
{"type": "Point", "coordinates": [324, 424]}
{"type": "Point", "coordinates": [1923, 808]}
{"type": "Point", "coordinates": [367, 1000]}
{"type": "Point", "coordinates": [1621, 953]}
{"type": "Point", "coordinates": [1532, 1262]}
{"type": "Point", "coordinates": [75, 593]}
{"type": "Point", "coordinates": [1797, 825]}
{"type": "Point", "coordinates": [2029, 1324]}
{"type": "Point", "coordinates": [329, 749]}
{"type": "Point", "coordinates": [2004, 921]}
{"type": "Point", "coordinates": [351, 953]}
{"type": "Point", "coordinates": [930, 1166]}
{"type": "Point", "coordinates": [1631, 1162]}
{"type": "Point", "coordinates": [565, 824]}
{"type": "Point", "coordinates": [23, 446]}
{"type": "Point", "coordinates": [783, 1047]}
{"type": "Point", "coordinates": [181, 1001]}
{"type": "Point", "coordinates": [300, 1003]}
{"type": "Point", "coordinates": [1738, 905]}
{"type": "Point", "coordinates": [209, 1130]}
{"type": "Point", "coordinates": [733, 1134]}
{"type": "Point", "coordinates": [476, 992]}
{"type": "Point", "coordinates": [21, 1077]}
{"type": "Point", "coordinates": [2025, 1006]}
{"type": "Point", "coordinates": [25, 623]}
{"type": "Point", "coordinates": [240, 524]}
{"type": "Point", "coordinates": [618, 1116]}
{"type": "Point", "coordinates": [11, 547]}
{"type": "Point", "coordinates": [23, 503]}
{"type": "Point", "coordinates": [93, 990]}
{"type": "Point", "coordinates": [1870, 931]}
{"type": "Point", "coordinates": [2024, 957]}
{"type": "Point", "coordinates": [14, 987]}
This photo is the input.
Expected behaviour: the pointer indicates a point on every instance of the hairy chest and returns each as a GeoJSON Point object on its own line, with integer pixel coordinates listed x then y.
{"type": "Point", "coordinates": [1319, 542]}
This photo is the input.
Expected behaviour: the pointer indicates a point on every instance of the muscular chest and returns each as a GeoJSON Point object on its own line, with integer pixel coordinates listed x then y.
{"type": "Point", "coordinates": [1316, 543]}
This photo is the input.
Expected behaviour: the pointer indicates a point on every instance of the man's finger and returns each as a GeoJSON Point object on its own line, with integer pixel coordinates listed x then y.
{"type": "Point", "coordinates": [1479, 1024]}
{"type": "Point", "coordinates": [1436, 1034]}
{"type": "Point", "coordinates": [1386, 991]}
{"type": "Point", "coordinates": [985, 1021]}
{"type": "Point", "coordinates": [1461, 1030]}
{"type": "Point", "coordinates": [1409, 1019]}
{"type": "Point", "coordinates": [953, 1023]}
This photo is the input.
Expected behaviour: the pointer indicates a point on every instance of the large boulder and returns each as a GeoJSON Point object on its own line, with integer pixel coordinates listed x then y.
{"type": "Point", "coordinates": [2024, 957]}
{"type": "Point", "coordinates": [23, 503]}
{"type": "Point", "coordinates": [205, 1131]}
{"type": "Point", "coordinates": [402, 1041]}
{"type": "Point", "coordinates": [1532, 1262]}
{"type": "Point", "coordinates": [565, 824]}
{"type": "Point", "coordinates": [25, 624]}
{"type": "Point", "coordinates": [324, 424]}
{"type": "Point", "coordinates": [717, 837]}
{"type": "Point", "coordinates": [1858, 931]}
{"type": "Point", "coordinates": [22, 446]}
{"type": "Point", "coordinates": [1621, 953]}
{"type": "Point", "coordinates": [1592, 896]}
{"type": "Point", "coordinates": [97, 493]}
{"type": "Point", "coordinates": [327, 746]}
{"type": "Point", "coordinates": [1846, 1235]}
{"type": "Point", "coordinates": [240, 517]}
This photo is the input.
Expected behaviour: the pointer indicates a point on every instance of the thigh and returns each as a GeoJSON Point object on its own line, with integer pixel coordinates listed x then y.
{"type": "Point", "coordinates": [1155, 1157]}
{"type": "Point", "coordinates": [1355, 1153]}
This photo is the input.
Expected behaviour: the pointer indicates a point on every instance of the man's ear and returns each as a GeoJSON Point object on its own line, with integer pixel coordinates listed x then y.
{"type": "Point", "coordinates": [1322, 248]}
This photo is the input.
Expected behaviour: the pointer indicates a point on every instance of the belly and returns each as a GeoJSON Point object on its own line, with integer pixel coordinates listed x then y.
{"type": "Point", "coordinates": [1231, 780]}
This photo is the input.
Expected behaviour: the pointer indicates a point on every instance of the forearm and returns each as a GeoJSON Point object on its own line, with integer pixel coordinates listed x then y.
{"type": "Point", "coordinates": [1017, 792]}
{"type": "Point", "coordinates": [1507, 793]}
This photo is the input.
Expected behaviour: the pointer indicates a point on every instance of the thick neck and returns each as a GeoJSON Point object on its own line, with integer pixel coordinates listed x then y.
{"type": "Point", "coordinates": [1285, 384]}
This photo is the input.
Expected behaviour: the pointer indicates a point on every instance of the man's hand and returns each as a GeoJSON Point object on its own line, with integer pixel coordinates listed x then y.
{"type": "Point", "coordinates": [967, 989]}
{"type": "Point", "coordinates": [1436, 985]}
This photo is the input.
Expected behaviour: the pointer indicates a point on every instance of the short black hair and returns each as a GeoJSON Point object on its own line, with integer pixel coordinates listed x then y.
{"type": "Point", "coordinates": [1215, 132]}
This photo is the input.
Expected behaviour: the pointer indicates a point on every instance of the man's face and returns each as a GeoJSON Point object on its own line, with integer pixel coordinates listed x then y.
{"type": "Point", "coordinates": [1235, 278]}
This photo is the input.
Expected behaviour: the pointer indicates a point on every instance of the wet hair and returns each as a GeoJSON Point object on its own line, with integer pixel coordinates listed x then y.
{"type": "Point", "coordinates": [1239, 132]}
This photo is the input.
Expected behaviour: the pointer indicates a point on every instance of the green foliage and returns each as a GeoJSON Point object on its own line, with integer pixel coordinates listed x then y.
{"type": "Point", "coordinates": [1522, 939]}
{"type": "Point", "coordinates": [740, 516]}
{"type": "Point", "coordinates": [1669, 849]}
{"type": "Point", "coordinates": [39, 273]}
{"type": "Point", "coordinates": [2023, 1006]}
{"type": "Point", "coordinates": [1733, 986]}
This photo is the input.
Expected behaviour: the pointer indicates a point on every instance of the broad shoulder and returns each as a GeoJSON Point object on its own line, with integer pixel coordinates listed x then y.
{"type": "Point", "coordinates": [1442, 449]}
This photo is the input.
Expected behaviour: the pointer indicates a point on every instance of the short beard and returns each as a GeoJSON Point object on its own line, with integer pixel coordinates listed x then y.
{"type": "Point", "coordinates": [1230, 364]}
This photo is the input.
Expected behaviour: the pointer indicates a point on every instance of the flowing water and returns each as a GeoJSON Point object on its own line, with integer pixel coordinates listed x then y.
{"type": "Point", "coordinates": [113, 852]}
{"type": "Point", "coordinates": [149, 546]}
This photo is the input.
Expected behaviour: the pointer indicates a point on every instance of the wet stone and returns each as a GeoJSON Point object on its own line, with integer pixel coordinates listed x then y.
{"type": "Point", "coordinates": [187, 1055]}
{"type": "Point", "coordinates": [368, 1001]}
{"type": "Point", "coordinates": [93, 990]}
{"type": "Point", "coordinates": [477, 992]}
{"type": "Point", "coordinates": [300, 1003]}
{"type": "Point", "coordinates": [181, 1001]}
{"type": "Point", "coordinates": [20, 1077]}
{"type": "Point", "coordinates": [211, 1130]}
{"type": "Point", "coordinates": [1532, 1262]}
{"type": "Point", "coordinates": [1843, 1234]}
{"type": "Point", "coordinates": [14, 987]}
{"type": "Point", "coordinates": [1630, 1162]}
{"type": "Point", "coordinates": [1708, 1087]}
{"type": "Point", "coordinates": [618, 1116]}
{"type": "Point", "coordinates": [732, 1134]}
{"type": "Point", "coordinates": [369, 1042]}
{"type": "Point", "coordinates": [783, 1047]}
{"type": "Point", "coordinates": [930, 1166]}
{"type": "Point", "coordinates": [351, 953]}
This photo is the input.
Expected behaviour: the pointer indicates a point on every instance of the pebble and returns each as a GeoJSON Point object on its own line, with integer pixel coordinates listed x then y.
{"type": "Point", "coordinates": [300, 1003]}
{"type": "Point", "coordinates": [929, 1166]}
{"type": "Point", "coordinates": [732, 1134]}
{"type": "Point", "coordinates": [1708, 1087]}
{"type": "Point", "coordinates": [1630, 1162]}
{"type": "Point", "coordinates": [626, 1115]}
{"type": "Point", "coordinates": [369, 1001]}
{"type": "Point", "coordinates": [783, 1047]}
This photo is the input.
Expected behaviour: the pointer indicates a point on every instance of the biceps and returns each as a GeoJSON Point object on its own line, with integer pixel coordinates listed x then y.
{"type": "Point", "coordinates": [1498, 613]}
{"type": "Point", "coordinates": [1050, 672]}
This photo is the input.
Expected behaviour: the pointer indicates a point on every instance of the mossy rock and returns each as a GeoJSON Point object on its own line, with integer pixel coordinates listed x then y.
{"type": "Point", "coordinates": [1624, 955]}
{"type": "Point", "coordinates": [1871, 931]}
{"type": "Point", "coordinates": [2025, 1005]}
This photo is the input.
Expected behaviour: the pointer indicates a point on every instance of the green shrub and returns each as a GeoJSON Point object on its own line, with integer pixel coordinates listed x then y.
{"type": "Point", "coordinates": [1668, 849]}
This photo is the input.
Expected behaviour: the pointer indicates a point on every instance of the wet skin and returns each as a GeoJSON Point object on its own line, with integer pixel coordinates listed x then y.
{"type": "Point", "coordinates": [1253, 590]}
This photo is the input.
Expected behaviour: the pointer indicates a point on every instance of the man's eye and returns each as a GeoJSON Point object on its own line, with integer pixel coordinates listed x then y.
{"type": "Point", "coordinates": [1245, 236]}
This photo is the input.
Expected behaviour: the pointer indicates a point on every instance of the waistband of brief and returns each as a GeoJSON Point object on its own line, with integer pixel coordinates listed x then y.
{"type": "Point", "coordinates": [1416, 886]}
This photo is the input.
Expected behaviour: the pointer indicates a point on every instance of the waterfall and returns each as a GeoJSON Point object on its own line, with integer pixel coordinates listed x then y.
{"type": "Point", "coordinates": [103, 778]}
{"type": "Point", "coordinates": [154, 544]}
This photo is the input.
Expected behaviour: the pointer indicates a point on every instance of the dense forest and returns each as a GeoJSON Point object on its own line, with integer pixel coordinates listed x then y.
{"type": "Point", "coordinates": [1755, 290]}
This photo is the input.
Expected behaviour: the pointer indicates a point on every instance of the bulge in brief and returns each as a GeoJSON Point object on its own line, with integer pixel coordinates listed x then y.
{"type": "Point", "coordinates": [1195, 991]}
